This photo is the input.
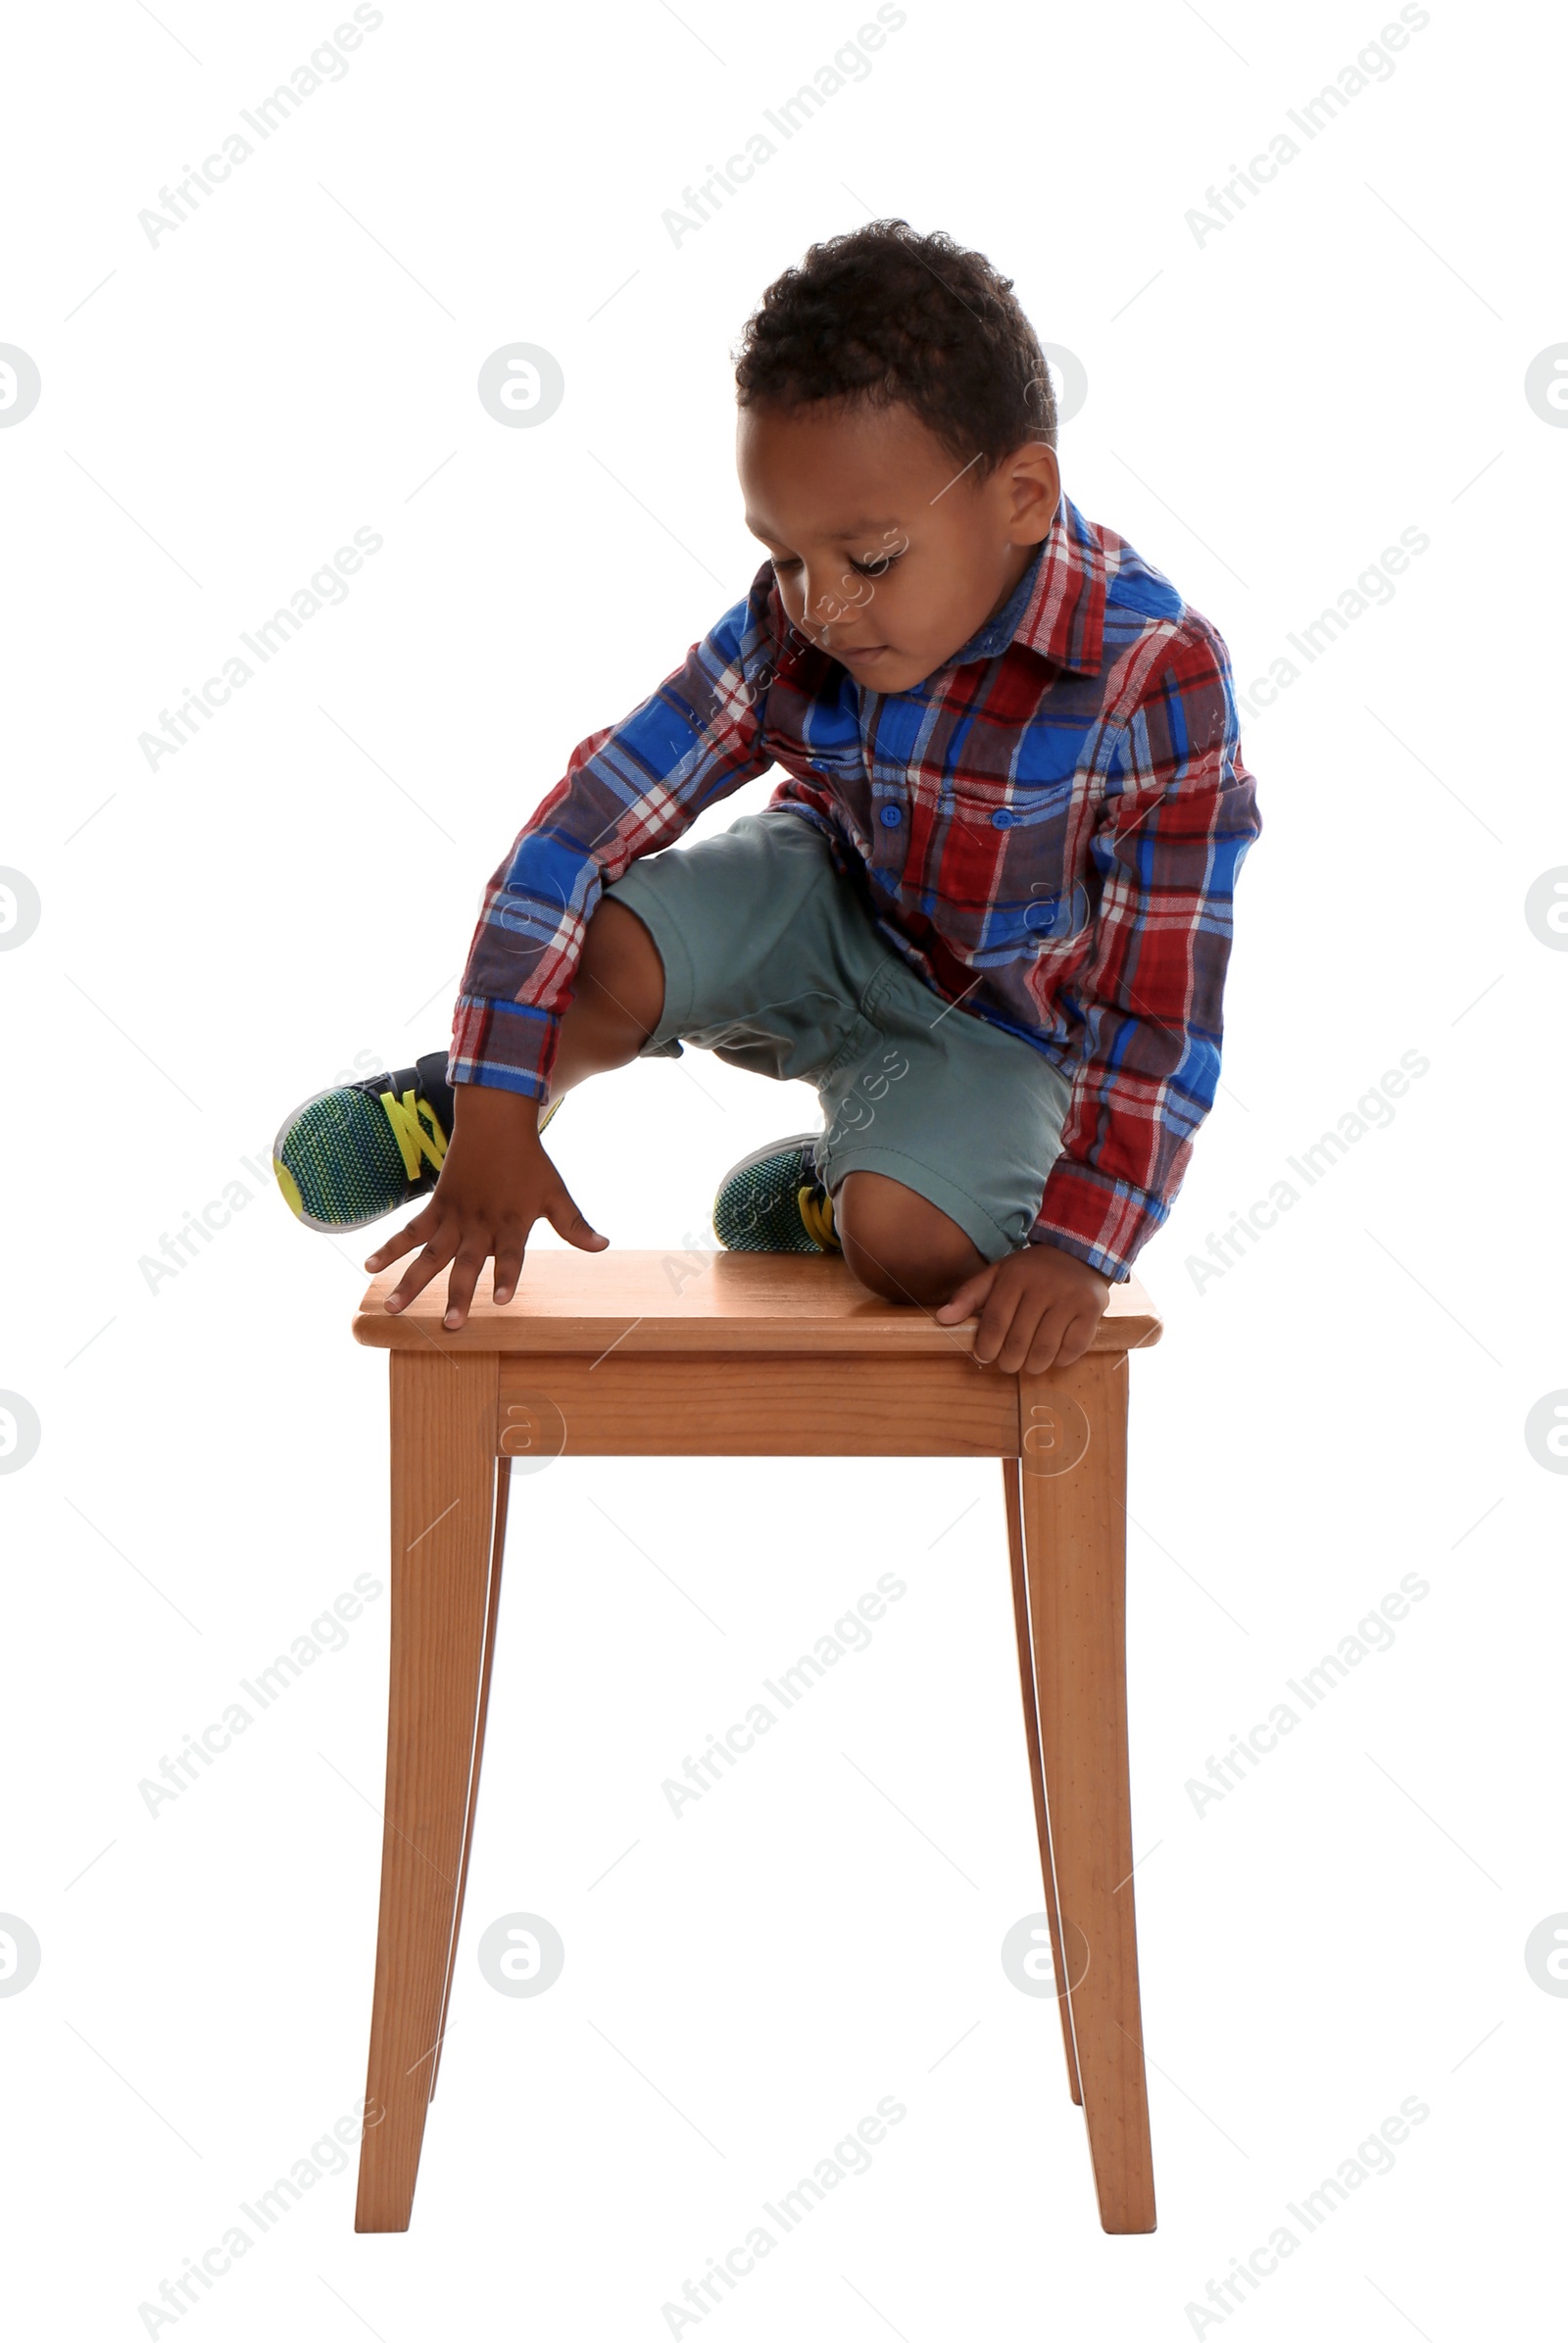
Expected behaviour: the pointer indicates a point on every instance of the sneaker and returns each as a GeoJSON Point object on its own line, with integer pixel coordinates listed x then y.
{"type": "Point", "coordinates": [350, 1157]}
{"type": "Point", "coordinates": [772, 1202]}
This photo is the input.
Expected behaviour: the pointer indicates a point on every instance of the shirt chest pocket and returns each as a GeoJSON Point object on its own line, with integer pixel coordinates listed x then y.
{"type": "Point", "coordinates": [834, 769]}
{"type": "Point", "coordinates": [1010, 849]}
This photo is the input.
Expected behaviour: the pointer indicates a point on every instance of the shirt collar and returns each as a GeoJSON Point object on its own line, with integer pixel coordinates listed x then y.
{"type": "Point", "coordinates": [1058, 608]}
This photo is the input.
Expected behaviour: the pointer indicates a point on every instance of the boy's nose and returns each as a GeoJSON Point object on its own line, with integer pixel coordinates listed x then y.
{"type": "Point", "coordinates": [832, 605]}
{"type": "Point", "coordinates": [821, 602]}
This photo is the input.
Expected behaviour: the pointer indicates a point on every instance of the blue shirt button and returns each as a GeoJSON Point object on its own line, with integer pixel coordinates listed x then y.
{"type": "Point", "coordinates": [891, 816]}
{"type": "Point", "coordinates": [1002, 820]}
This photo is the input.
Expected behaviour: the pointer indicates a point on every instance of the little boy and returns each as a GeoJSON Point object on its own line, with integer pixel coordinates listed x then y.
{"type": "Point", "coordinates": [987, 913]}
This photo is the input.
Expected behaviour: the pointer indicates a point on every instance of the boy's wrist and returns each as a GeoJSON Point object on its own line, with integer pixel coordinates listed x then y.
{"type": "Point", "coordinates": [482, 1109]}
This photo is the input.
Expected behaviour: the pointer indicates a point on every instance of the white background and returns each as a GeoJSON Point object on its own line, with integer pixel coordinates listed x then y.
{"type": "Point", "coordinates": [1266, 411]}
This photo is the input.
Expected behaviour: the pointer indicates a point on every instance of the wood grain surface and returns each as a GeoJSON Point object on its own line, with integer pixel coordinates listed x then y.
{"type": "Point", "coordinates": [714, 1302]}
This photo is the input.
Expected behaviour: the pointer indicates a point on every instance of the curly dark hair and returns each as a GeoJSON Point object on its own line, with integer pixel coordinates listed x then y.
{"type": "Point", "coordinates": [883, 314]}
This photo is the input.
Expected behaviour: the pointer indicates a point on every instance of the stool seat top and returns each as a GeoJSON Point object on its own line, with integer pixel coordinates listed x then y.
{"type": "Point", "coordinates": [695, 1302]}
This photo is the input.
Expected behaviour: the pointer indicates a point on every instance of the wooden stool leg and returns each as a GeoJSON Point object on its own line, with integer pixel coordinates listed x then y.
{"type": "Point", "coordinates": [498, 1552]}
{"type": "Point", "coordinates": [1073, 1482]}
{"type": "Point", "coordinates": [446, 1558]}
{"type": "Point", "coordinates": [1037, 1778]}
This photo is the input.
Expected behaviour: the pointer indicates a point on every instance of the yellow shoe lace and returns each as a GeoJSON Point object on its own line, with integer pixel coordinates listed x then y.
{"type": "Point", "coordinates": [817, 1211]}
{"type": "Point", "coordinates": [416, 1129]}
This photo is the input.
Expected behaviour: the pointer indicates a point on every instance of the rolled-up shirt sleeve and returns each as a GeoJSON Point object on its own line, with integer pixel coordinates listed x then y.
{"type": "Point", "coordinates": [628, 789]}
{"type": "Point", "coordinates": [1178, 818]}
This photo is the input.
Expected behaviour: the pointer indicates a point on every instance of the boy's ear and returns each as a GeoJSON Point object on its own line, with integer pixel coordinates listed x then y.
{"type": "Point", "coordinates": [1030, 481]}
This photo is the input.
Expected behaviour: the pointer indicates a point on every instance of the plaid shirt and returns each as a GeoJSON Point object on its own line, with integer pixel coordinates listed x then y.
{"type": "Point", "coordinates": [1047, 828]}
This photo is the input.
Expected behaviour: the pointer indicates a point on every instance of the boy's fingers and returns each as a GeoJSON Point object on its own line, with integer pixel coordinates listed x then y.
{"type": "Point", "coordinates": [404, 1241]}
{"type": "Point", "coordinates": [460, 1286]}
{"type": "Point", "coordinates": [1033, 1333]}
{"type": "Point", "coordinates": [1075, 1340]}
{"type": "Point", "coordinates": [508, 1267]}
{"type": "Point", "coordinates": [969, 1297]}
{"type": "Point", "coordinates": [439, 1249]}
{"type": "Point", "coordinates": [996, 1320]}
{"type": "Point", "coordinates": [1014, 1348]}
{"type": "Point", "coordinates": [566, 1220]}
{"type": "Point", "coordinates": [1047, 1347]}
{"type": "Point", "coordinates": [1004, 1301]}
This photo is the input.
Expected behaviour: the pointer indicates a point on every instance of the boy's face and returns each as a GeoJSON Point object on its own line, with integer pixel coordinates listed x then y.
{"type": "Point", "coordinates": [889, 550]}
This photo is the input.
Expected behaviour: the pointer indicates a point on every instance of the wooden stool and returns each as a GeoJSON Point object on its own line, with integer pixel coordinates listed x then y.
{"type": "Point", "coordinates": [748, 1354]}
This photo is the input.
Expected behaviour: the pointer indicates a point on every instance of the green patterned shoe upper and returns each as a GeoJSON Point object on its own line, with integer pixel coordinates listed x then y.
{"type": "Point", "coordinates": [757, 1210]}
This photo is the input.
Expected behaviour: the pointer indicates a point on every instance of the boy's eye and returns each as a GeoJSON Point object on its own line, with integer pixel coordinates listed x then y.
{"type": "Point", "coordinates": [876, 566]}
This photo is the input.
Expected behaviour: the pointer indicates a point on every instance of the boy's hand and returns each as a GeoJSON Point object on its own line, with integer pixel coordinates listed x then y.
{"type": "Point", "coordinates": [1037, 1308]}
{"type": "Point", "coordinates": [496, 1182]}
